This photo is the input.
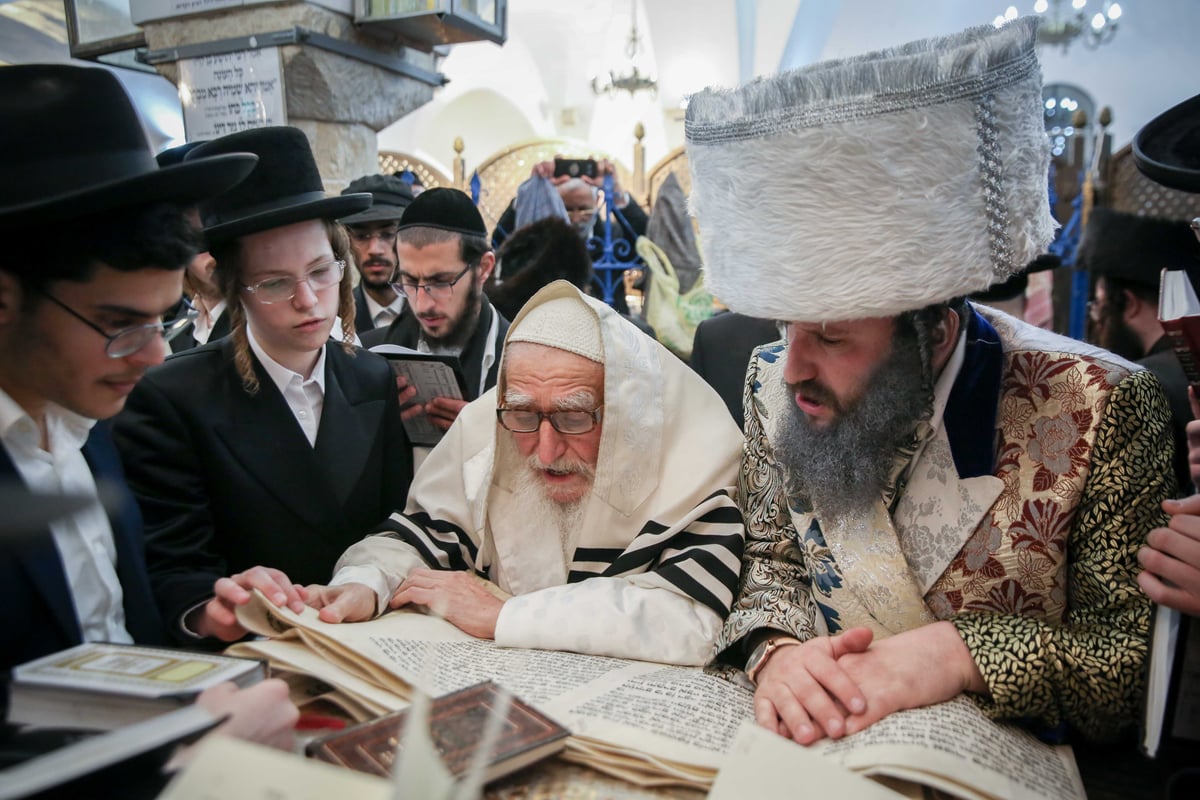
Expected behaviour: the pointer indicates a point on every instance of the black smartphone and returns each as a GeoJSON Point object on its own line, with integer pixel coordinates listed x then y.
{"type": "Point", "coordinates": [575, 167]}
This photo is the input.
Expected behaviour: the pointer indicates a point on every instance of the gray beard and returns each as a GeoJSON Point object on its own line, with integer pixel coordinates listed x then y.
{"type": "Point", "coordinates": [537, 508]}
{"type": "Point", "coordinates": [842, 469]}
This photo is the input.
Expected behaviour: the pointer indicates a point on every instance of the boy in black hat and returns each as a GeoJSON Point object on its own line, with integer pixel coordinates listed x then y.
{"type": "Point", "coordinates": [373, 240]}
{"type": "Point", "coordinates": [274, 446]}
{"type": "Point", "coordinates": [444, 262]}
{"type": "Point", "coordinates": [77, 331]}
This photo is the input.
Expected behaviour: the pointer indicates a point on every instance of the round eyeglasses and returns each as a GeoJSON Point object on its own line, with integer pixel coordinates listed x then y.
{"type": "Point", "coordinates": [128, 341]}
{"type": "Point", "coordinates": [572, 423]}
{"type": "Point", "coordinates": [363, 236]}
{"type": "Point", "coordinates": [283, 288]}
{"type": "Point", "coordinates": [438, 290]}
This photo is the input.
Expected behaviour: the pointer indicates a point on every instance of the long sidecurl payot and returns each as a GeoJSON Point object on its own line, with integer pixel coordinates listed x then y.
{"type": "Point", "coordinates": [874, 185]}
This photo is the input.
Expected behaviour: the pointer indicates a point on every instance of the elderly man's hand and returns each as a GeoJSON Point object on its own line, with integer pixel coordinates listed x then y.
{"type": "Point", "coordinates": [1171, 558]}
{"type": "Point", "coordinates": [349, 602]}
{"type": "Point", "coordinates": [443, 411]}
{"type": "Point", "coordinates": [804, 693]}
{"type": "Point", "coordinates": [218, 617]}
{"type": "Point", "coordinates": [913, 669]}
{"type": "Point", "coordinates": [456, 596]}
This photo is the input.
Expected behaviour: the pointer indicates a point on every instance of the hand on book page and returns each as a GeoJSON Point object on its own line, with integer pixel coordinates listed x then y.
{"type": "Point", "coordinates": [1170, 559]}
{"type": "Point", "coordinates": [457, 597]}
{"type": "Point", "coordinates": [348, 602]}
{"type": "Point", "coordinates": [218, 617]}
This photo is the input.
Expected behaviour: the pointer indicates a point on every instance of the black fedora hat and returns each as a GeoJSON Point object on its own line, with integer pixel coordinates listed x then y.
{"type": "Point", "coordinates": [1136, 249]}
{"type": "Point", "coordinates": [1167, 148]}
{"type": "Point", "coordinates": [284, 187]}
{"type": "Point", "coordinates": [389, 197]}
{"type": "Point", "coordinates": [46, 175]}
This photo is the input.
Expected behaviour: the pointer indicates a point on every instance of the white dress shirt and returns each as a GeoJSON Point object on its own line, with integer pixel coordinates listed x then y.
{"type": "Point", "coordinates": [381, 315]}
{"type": "Point", "coordinates": [304, 396]}
{"type": "Point", "coordinates": [84, 540]}
{"type": "Point", "coordinates": [202, 326]}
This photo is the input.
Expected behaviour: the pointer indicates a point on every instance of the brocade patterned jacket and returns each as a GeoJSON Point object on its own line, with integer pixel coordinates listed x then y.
{"type": "Point", "coordinates": [1016, 514]}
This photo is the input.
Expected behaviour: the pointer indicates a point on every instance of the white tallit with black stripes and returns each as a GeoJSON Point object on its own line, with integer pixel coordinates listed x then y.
{"type": "Point", "coordinates": [656, 564]}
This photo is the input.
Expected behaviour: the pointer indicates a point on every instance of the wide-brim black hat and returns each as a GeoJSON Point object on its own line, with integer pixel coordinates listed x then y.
{"type": "Point", "coordinates": [1016, 285]}
{"type": "Point", "coordinates": [1167, 148]}
{"type": "Point", "coordinates": [389, 197]}
{"type": "Point", "coordinates": [446, 209]}
{"type": "Point", "coordinates": [284, 187]}
{"type": "Point", "coordinates": [1136, 249]}
{"type": "Point", "coordinates": [48, 176]}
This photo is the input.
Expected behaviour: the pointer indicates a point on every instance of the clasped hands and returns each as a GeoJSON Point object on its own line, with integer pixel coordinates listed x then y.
{"type": "Point", "coordinates": [831, 686]}
{"type": "Point", "coordinates": [456, 596]}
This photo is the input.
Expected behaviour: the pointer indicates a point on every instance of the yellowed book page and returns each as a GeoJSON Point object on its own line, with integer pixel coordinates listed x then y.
{"type": "Point", "coordinates": [954, 744]}
{"type": "Point", "coordinates": [300, 658]}
{"type": "Point", "coordinates": [228, 769]}
{"type": "Point", "coordinates": [765, 766]}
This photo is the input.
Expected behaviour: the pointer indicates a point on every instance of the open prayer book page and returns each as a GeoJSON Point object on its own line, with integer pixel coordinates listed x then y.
{"type": "Point", "coordinates": [433, 376]}
{"type": "Point", "coordinates": [660, 725]}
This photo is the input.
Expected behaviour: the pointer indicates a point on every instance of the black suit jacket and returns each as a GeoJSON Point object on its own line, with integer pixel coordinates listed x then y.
{"type": "Point", "coordinates": [721, 352]}
{"type": "Point", "coordinates": [1162, 361]}
{"type": "Point", "coordinates": [39, 613]}
{"type": "Point", "coordinates": [184, 340]}
{"type": "Point", "coordinates": [406, 329]}
{"type": "Point", "coordinates": [362, 313]}
{"type": "Point", "coordinates": [227, 480]}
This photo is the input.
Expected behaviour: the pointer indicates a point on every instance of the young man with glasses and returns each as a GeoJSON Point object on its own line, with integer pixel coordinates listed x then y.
{"type": "Point", "coordinates": [373, 240]}
{"type": "Point", "coordinates": [444, 260]}
{"type": "Point", "coordinates": [275, 446]}
{"type": "Point", "coordinates": [580, 488]}
{"type": "Point", "coordinates": [79, 326]}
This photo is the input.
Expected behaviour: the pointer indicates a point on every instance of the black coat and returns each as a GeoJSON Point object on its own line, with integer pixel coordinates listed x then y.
{"type": "Point", "coordinates": [227, 480]}
{"type": "Point", "coordinates": [39, 616]}
{"type": "Point", "coordinates": [185, 340]}
{"type": "Point", "coordinates": [721, 352]}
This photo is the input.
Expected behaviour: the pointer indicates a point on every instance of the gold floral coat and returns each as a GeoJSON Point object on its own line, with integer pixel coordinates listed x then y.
{"type": "Point", "coordinates": [1034, 563]}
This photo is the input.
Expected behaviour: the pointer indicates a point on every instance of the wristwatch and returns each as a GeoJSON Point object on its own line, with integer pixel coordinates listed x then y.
{"type": "Point", "coordinates": [763, 651]}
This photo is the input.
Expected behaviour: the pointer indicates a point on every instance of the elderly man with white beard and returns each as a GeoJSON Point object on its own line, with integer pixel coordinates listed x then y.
{"type": "Point", "coordinates": [592, 485]}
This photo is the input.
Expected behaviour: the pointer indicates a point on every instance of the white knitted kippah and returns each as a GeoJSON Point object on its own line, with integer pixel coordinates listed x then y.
{"type": "Point", "coordinates": [564, 323]}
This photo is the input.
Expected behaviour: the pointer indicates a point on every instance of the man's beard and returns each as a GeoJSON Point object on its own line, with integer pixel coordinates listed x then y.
{"type": "Point", "coordinates": [843, 467]}
{"type": "Point", "coordinates": [377, 285]}
{"type": "Point", "coordinates": [531, 495]}
{"type": "Point", "coordinates": [460, 329]}
{"type": "Point", "coordinates": [1117, 337]}
{"type": "Point", "coordinates": [585, 227]}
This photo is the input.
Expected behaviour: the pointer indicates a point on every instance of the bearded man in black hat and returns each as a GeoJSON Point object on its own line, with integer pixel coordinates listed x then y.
{"type": "Point", "coordinates": [276, 445]}
{"type": "Point", "coordinates": [444, 262]}
{"type": "Point", "coordinates": [373, 239]}
{"type": "Point", "coordinates": [1125, 255]}
{"type": "Point", "coordinates": [78, 330]}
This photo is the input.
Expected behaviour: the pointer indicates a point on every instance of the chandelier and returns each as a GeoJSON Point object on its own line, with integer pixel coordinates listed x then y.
{"type": "Point", "coordinates": [632, 81]}
{"type": "Point", "coordinates": [1093, 23]}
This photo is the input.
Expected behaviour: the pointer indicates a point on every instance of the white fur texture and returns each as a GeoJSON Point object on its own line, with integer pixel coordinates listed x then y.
{"type": "Point", "coordinates": [878, 213]}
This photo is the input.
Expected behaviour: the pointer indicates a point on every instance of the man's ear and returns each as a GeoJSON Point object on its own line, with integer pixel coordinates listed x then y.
{"type": "Point", "coordinates": [944, 338]}
{"type": "Point", "coordinates": [1134, 306]}
{"type": "Point", "coordinates": [11, 297]}
{"type": "Point", "coordinates": [487, 263]}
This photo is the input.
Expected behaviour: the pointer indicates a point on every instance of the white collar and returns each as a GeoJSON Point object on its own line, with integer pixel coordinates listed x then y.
{"type": "Point", "coordinates": [281, 376]}
{"type": "Point", "coordinates": [64, 428]}
{"type": "Point", "coordinates": [374, 307]}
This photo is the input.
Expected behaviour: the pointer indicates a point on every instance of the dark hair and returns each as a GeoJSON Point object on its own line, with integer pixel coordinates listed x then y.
{"type": "Point", "coordinates": [917, 326]}
{"type": "Point", "coordinates": [470, 248]}
{"type": "Point", "coordinates": [227, 276]}
{"type": "Point", "coordinates": [156, 236]}
{"type": "Point", "coordinates": [1116, 288]}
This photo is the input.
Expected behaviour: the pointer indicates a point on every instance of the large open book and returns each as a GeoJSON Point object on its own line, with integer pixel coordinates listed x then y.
{"type": "Point", "coordinates": [648, 723]}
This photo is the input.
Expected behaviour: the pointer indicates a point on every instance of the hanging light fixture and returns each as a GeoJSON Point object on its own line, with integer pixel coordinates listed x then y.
{"type": "Point", "coordinates": [632, 81]}
{"type": "Point", "coordinates": [1093, 23]}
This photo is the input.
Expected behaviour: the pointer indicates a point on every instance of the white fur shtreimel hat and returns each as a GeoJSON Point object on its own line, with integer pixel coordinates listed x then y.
{"type": "Point", "coordinates": [874, 185]}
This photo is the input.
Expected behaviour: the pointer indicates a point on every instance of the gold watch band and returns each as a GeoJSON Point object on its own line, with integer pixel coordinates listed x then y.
{"type": "Point", "coordinates": [763, 652]}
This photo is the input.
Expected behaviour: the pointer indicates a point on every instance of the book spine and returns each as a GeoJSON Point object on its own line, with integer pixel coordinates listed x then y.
{"type": "Point", "coordinates": [1185, 339]}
